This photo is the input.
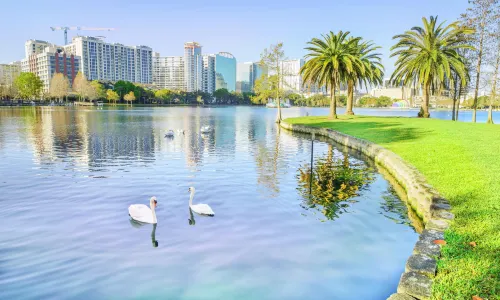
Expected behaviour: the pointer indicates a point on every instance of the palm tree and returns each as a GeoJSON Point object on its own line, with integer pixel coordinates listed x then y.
{"type": "Point", "coordinates": [429, 56]}
{"type": "Point", "coordinates": [330, 61]}
{"type": "Point", "coordinates": [373, 72]}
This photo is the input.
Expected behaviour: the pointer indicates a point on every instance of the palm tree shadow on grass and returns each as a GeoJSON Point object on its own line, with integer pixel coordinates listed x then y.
{"type": "Point", "coordinates": [381, 133]}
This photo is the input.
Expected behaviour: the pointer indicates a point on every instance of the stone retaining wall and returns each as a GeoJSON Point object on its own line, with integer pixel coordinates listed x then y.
{"type": "Point", "coordinates": [420, 269]}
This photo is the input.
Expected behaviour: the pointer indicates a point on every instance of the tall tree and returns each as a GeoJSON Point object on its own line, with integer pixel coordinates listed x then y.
{"type": "Point", "coordinates": [480, 16]}
{"type": "Point", "coordinates": [372, 73]}
{"type": "Point", "coordinates": [494, 80]}
{"type": "Point", "coordinates": [428, 55]}
{"type": "Point", "coordinates": [164, 94]}
{"type": "Point", "coordinates": [129, 97]}
{"type": "Point", "coordinates": [29, 85]}
{"type": "Point", "coordinates": [90, 92]}
{"type": "Point", "coordinates": [80, 85]}
{"type": "Point", "coordinates": [123, 87]}
{"type": "Point", "coordinates": [264, 89]}
{"type": "Point", "coordinates": [59, 86]}
{"type": "Point", "coordinates": [100, 91]}
{"type": "Point", "coordinates": [330, 61]}
{"type": "Point", "coordinates": [8, 91]}
{"type": "Point", "coordinates": [271, 59]}
{"type": "Point", "coordinates": [112, 96]}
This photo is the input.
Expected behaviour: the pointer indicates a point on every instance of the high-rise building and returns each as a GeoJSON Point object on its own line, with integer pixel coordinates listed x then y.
{"type": "Point", "coordinates": [48, 61]}
{"type": "Point", "coordinates": [106, 61]}
{"type": "Point", "coordinates": [208, 74]}
{"type": "Point", "coordinates": [193, 66]}
{"type": "Point", "coordinates": [246, 75]}
{"type": "Point", "coordinates": [168, 72]}
{"type": "Point", "coordinates": [292, 80]}
{"type": "Point", "coordinates": [225, 71]}
{"type": "Point", "coordinates": [34, 47]}
{"type": "Point", "coordinates": [9, 72]}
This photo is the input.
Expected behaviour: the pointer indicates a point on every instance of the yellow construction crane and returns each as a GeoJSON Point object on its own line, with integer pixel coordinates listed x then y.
{"type": "Point", "coordinates": [65, 28]}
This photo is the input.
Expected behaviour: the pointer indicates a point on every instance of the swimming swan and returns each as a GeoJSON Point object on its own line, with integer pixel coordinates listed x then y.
{"type": "Point", "coordinates": [142, 213]}
{"type": "Point", "coordinates": [206, 129]}
{"type": "Point", "coordinates": [169, 133]}
{"type": "Point", "coordinates": [201, 209]}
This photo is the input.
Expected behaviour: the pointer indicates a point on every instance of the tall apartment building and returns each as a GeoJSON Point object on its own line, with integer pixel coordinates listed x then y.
{"type": "Point", "coordinates": [48, 60]}
{"type": "Point", "coordinates": [168, 72]}
{"type": "Point", "coordinates": [292, 79]}
{"type": "Point", "coordinates": [194, 71]}
{"type": "Point", "coordinates": [34, 47]}
{"type": "Point", "coordinates": [225, 71]}
{"type": "Point", "coordinates": [208, 73]}
{"type": "Point", "coordinates": [246, 75]}
{"type": "Point", "coordinates": [107, 61]}
{"type": "Point", "coordinates": [9, 72]}
{"type": "Point", "coordinates": [193, 66]}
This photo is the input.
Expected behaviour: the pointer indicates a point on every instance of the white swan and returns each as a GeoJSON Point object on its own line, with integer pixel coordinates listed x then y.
{"type": "Point", "coordinates": [169, 133]}
{"type": "Point", "coordinates": [142, 213]}
{"type": "Point", "coordinates": [206, 129]}
{"type": "Point", "coordinates": [201, 209]}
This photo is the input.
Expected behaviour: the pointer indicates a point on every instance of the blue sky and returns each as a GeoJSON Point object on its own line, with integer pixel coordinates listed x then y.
{"type": "Point", "coordinates": [243, 28]}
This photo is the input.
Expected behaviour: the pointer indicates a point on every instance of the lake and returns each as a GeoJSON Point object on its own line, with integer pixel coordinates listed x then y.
{"type": "Point", "coordinates": [69, 175]}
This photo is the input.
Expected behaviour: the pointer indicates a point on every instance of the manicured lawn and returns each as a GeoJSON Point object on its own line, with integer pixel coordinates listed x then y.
{"type": "Point", "coordinates": [462, 161]}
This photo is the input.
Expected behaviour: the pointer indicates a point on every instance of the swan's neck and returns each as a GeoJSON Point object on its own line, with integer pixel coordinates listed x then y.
{"type": "Point", "coordinates": [191, 198]}
{"type": "Point", "coordinates": [154, 214]}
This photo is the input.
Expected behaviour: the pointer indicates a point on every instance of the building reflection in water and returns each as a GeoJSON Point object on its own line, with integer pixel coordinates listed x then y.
{"type": "Point", "coordinates": [84, 139]}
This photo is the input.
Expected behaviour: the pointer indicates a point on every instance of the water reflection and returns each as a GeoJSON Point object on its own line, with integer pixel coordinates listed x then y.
{"type": "Point", "coordinates": [192, 221]}
{"type": "Point", "coordinates": [332, 183]}
{"type": "Point", "coordinates": [248, 172]}
{"type": "Point", "coordinates": [153, 236]}
{"type": "Point", "coordinates": [137, 224]}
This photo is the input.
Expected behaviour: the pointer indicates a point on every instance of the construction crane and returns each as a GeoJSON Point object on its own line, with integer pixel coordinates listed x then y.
{"type": "Point", "coordinates": [65, 29]}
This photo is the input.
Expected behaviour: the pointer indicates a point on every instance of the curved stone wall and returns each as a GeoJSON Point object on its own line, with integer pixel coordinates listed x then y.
{"type": "Point", "coordinates": [420, 269]}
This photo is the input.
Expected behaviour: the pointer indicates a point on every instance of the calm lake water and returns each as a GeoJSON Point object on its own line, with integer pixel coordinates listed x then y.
{"type": "Point", "coordinates": [69, 175]}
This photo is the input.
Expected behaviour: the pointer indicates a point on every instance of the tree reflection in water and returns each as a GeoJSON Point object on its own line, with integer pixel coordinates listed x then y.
{"type": "Point", "coordinates": [394, 209]}
{"type": "Point", "coordinates": [335, 183]}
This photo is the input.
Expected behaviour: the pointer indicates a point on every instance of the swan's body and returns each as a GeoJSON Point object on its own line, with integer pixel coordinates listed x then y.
{"type": "Point", "coordinates": [169, 133]}
{"type": "Point", "coordinates": [142, 213]}
{"type": "Point", "coordinates": [206, 129]}
{"type": "Point", "coordinates": [201, 209]}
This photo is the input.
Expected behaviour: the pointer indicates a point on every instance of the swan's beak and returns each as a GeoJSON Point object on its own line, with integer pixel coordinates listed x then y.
{"type": "Point", "coordinates": [156, 203]}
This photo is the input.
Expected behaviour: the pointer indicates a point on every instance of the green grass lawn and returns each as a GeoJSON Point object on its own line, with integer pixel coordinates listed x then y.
{"type": "Point", "coordinates": [462, 161]}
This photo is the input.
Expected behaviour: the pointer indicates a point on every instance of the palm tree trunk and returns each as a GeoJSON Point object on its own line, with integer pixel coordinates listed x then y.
{"type": "Point", "coordinates": [458, 102]}
{"type": "Point", "coordinates": [333, 103]}
{"type": "Point", "coordinates": [424, 111]}
{"type": "Point", "coordinates": [350, 97]}
{"type": "Point", "coordinates": [455, 94]}
{"type": "Point", "coordinates": [454, 108]}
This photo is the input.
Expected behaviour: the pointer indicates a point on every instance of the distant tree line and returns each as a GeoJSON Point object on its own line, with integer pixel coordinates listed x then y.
{"type": "Point", "coordinates": [28, 86]}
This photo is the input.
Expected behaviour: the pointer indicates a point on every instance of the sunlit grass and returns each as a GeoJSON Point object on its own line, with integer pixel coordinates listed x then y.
{"type": "Point", "coordinates": [462, 161]}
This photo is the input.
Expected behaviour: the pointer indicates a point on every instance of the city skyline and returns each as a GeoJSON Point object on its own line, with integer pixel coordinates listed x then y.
{"type": "Point", "coordinates": [222, 26]}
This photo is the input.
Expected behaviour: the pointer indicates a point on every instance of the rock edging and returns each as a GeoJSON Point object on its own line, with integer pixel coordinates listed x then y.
{"type": "Point", "coordinates": [420, 269]}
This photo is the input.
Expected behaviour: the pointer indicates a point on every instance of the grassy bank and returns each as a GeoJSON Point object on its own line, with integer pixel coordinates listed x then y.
{"type": "Point", "coordinates": [462, 161]}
